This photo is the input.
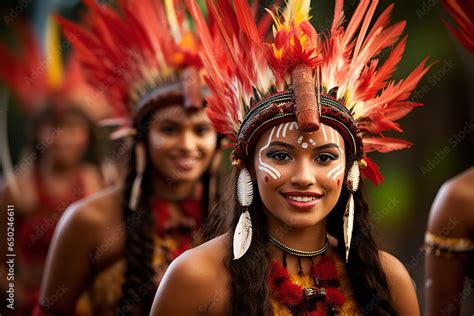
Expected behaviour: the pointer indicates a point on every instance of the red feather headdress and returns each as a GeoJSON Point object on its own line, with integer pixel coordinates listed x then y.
{"type": "Point", "coordinates": [140, 55]}
{"type": "Point", "coordinates": [336, 77]}
{"type": "Point", "coordinates": [37, 79]}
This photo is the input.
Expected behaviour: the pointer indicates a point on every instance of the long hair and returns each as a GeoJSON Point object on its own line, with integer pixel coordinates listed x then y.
{"type": "Point", "coordinates": [250, 294]}
{"type": "Point", "coordinates": [139, 287]}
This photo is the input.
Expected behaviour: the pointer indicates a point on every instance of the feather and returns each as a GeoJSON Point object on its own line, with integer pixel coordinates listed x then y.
{"type": "Point", "coordinates": [384, 144]}
{"type": "Point", "coordinates": [242, 235]}
{"type": "Point", "coordinates": [244, 188]}
{"type": "Point", "coordinates": [348, 225]}
{"type": "Point", "coordinates": [462, 13]}
{"type": "Point", "coordinates": [372, 172]}
{"type": "Point", "coordinates": [353, 177]}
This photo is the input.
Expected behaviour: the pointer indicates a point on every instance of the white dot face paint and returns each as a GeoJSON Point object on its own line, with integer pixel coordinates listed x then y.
{"type": "Point", "coordinates": [290, 164]}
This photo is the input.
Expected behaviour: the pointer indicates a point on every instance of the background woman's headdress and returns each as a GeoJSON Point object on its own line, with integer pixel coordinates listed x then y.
{"type": "Point", "coordinates": [39, 78]}
{"type": "Point", "coordinates": [336, 77]}
{"type": "Point", "coordinates": [141, 54]}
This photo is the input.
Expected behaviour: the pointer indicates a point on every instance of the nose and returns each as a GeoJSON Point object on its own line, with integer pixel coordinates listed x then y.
{"type": "Point", "coordinates": [188, 141]}
{"type": "Point", "coordinates": [304, 174]}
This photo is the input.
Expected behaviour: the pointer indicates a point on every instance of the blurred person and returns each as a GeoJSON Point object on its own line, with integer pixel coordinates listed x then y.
{"type": "Point", "coordinates": [117, 244]}
{"type": "Point", "coordinates": [303, 118]}
{"type": "Point", "coordinates": [449, 238]}
{"type": "Point", "coordinates": [52, 173]}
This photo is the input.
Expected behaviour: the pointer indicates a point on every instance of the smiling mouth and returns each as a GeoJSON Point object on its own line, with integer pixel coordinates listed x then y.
{"type": "Point", "coordinates": [302, 200]}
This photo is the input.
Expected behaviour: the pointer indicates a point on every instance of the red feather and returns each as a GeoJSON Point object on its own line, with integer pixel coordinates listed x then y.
{"type": "Point", "coordinates": [372, 172]}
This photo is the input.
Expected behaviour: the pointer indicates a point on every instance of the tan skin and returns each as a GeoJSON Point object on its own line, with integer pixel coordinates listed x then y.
{"type": "Point", "coordinates": [301, 169]}
{"type": "Point", "coordinates": [64, 147]}
{"type": "Point", "coordinates": [451, 216]}
{"type": "Point", "coordinates": [173, 134]}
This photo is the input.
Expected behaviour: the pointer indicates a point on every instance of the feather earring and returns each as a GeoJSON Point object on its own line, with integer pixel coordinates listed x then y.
{"type": "Point", "coordinates": [243, 230]}
{"type": "Point", "coordinates": [353, 179]}
{"type": "Point", "coordinates": [140, 162]}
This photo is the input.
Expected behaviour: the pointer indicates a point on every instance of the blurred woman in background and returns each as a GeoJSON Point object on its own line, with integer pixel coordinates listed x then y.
{"type": "Point", "coordinates": [53, 172]}
{"type": "Point", "coordinates": [118, 244]}
{"type": "Point", "coordinates": [449, 237]}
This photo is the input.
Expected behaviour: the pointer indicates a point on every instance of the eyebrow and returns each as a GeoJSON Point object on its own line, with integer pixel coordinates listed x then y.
{"type": "Point", "coordinates": [289, 146]}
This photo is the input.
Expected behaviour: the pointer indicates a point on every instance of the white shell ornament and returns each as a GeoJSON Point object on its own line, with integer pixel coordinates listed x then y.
{"type": "Point", "coordinates": [242, 235]}
{"type": "Point", "coordinates": [244, 188]}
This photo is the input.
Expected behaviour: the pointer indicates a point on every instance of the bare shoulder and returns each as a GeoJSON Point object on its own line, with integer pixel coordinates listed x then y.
{"type": "Point", "coordinates": [201, 270]}
{"type": "Point", "coordinates": [452, 212]}
{"type": "Point", "coordinates": [91, 219]}
{"type": "Point", "coordinates": [400, 284]}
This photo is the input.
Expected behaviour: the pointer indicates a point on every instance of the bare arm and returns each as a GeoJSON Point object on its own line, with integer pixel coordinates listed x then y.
{"type": "Point", "coordinates": [68, 266]}
{"type": "Point", "coordinates": [451, 216]}
{"type": "Point", "coordinates": [400, 284]}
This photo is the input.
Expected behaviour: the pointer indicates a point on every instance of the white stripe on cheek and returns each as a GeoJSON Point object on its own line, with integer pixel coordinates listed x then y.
{"type": "Point", "coordinates": [338, 173]}
{"type": "Point", "coordinates": [268, 171]}
{"type": "Point", "coordinates": [267, 167]}
{"type": "Point", "coordinates": [334, 170]}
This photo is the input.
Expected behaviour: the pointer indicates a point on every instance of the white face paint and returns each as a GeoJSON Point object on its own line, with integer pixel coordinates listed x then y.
{"type": "Point", "coordinates": [281, 130]}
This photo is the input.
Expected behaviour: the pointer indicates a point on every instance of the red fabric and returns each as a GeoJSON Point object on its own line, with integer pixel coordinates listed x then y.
{"type": "Point", "coordinates": [41, 311]}
{"type": "Point", "coordinates": [35, 231]}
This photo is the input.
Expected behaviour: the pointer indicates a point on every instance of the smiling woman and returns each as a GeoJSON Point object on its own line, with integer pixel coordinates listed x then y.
{"type": "Point", "coordinates": [118, 244]}
{"type": "Point", "coordinates": [303, 112]}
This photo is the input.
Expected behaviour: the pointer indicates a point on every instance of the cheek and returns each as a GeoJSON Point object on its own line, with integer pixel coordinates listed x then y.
{"type": "Point", "coordinates": [207, 143]}
{"type": "Point", "coordinates": [158, 143]}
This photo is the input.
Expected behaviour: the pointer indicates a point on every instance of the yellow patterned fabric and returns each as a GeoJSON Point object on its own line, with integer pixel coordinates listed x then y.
{"type": "Point", "coordinates": [349, 307]}
{"type": "Point", "coordinates": [106, 289]}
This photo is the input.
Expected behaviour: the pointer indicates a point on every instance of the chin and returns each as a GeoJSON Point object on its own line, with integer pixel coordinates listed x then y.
{"type": "Point", "coordinates": [302, 221]}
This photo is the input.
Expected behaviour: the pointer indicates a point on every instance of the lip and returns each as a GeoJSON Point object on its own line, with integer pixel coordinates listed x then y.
{"type": "Point", "coordinates": [302, 205]}
{"type": "Point", "coordinates": [185, 163]}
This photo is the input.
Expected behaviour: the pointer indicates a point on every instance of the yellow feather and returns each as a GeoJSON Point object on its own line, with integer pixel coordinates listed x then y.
{"type": "Point", "coordinates": [53, 54]}
{"type": "Point", "coordinates": [173, 20]}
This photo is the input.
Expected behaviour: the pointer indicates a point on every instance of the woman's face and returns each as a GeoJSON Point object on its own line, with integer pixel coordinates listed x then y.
{"type": "Point", "coordinates": [181, 143]}
{"type": "Point", "coordinates": [66, 141]}
{"type": "Point", "coordinates": [299, 175]}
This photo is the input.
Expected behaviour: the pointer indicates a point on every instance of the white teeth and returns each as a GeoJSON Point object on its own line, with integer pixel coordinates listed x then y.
{"type": "Point", "coordinates": [302, 198]}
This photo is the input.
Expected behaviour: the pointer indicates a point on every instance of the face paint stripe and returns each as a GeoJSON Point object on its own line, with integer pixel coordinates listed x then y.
{"type": "Point", "coordinates": [336, 169]}
{"type": "Point", "coordinates": [267, 166]}
{"type": "Point", "coordinates": [332, 135]}
{"type": "Point", "coordinates": [268, 171]}
{"type": "Point", "coordinates": [324, 133]}
{"type": "Point", "coordinates": [278, 131]}
{"type": "Point", "coordinates": [284, 129]}
{"type": "Point", "coordinates": [338, 174]}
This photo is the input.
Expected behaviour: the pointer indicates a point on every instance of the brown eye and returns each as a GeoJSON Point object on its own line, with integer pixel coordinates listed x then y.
{"type": "Point", "coordinates": [201, 130]}
{"type": "Point", "coordinates": [326, 158]}
{"type": "Point", "coordinates": [168, 130]}
{"type": "Point", "coordinates": [279, 156]}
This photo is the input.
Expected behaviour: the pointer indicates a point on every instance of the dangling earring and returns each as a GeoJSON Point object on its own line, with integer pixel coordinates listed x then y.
{"type": "Point", "coordinates": [352, 183]}
{"type": "Point", "coordinates": [140, 162]}
{"type": "Point", "coordinates": [243, 230]}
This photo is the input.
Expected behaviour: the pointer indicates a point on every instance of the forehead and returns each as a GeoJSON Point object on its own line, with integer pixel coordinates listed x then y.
{"type": "Point", "coordinates": [179, 115]}
{"type": "Point", "coordinates": [290, 133]}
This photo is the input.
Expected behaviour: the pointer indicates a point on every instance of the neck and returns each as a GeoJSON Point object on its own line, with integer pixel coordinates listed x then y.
{"type": "Point", "coordinates": [303, 239]}
{"type": "Point", "coordinates": [174, 190]}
